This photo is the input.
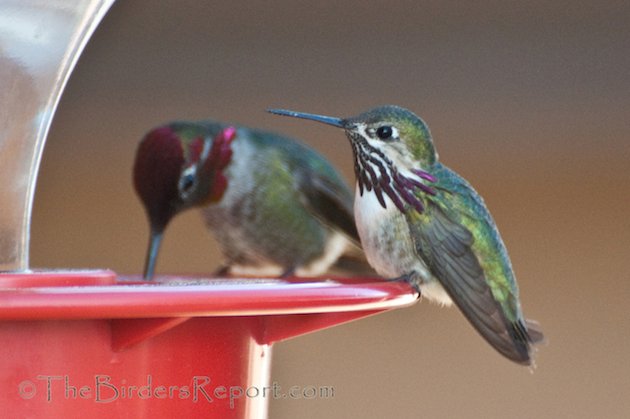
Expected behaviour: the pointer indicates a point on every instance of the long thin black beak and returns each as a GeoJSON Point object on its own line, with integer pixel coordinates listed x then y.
{"type": "Point", "coordinates": [329, 120]}
{"type": "Point", "coordinates": [155, 239]}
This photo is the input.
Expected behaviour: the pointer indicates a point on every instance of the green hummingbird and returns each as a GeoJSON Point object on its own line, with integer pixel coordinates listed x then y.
{"type": "Point", "coordinates": [420, 221]}
{"type": "Point", "coordinates": [276, 206]}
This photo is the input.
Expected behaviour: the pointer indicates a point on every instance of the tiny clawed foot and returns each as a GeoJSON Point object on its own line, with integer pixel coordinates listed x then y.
{"type": "Point", "coordinates": [410, 278]}
{"type": "Point", "coordinates": [223, 270]}
{"type": "Point", "coordinates": [288, 273]}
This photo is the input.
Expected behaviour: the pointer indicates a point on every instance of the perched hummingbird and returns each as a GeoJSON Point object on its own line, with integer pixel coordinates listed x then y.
{"type": "Point", "coordinates": [420, 221]}
{"type": "Point", "coordinates": [275, 205]}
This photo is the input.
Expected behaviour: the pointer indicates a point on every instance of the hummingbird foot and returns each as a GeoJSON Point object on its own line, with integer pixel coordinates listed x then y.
{"type": "Point", "coordinates": [222, 271]}
{"type": "Point", "coordinates": [288, 273]}
{"type": "Point", "coordinates": [412, 278]}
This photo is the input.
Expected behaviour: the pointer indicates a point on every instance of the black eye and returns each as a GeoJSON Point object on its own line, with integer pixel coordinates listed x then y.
{"type": "Point", "coordinates": [384, 132]}
{"type": "Point", "coordinates": [187, 182]}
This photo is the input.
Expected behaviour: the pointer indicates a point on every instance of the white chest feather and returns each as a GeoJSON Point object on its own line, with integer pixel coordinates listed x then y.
{"type": "Point", "coordinates": [384, 235]}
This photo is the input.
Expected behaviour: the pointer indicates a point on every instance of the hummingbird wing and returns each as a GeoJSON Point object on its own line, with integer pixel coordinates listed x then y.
{"type": "Point", "coordinates": [321, 190]}
{"type": "Point", "coordinates": [458, 241]}
{"type": "Point", "coordinates": [331, 202]}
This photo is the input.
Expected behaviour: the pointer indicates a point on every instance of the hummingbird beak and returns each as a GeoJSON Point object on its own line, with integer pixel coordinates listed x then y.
{"type": "Point", "coordinates": [328, 120]}
{"type": "Point", "coordinates": [155, 240]}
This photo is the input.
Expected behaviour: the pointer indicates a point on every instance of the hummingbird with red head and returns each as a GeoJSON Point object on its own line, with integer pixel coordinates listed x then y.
{"type": "Point", "coordinates": [420, 221]}
{"type": "Point", "coordinates": [276, 206]}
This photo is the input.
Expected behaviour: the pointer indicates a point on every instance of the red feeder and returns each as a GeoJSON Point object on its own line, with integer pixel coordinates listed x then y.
{"type": "Point", "coordinates": [180, 347]}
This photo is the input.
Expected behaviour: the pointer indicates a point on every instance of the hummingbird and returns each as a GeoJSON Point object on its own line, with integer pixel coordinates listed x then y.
{"type": "Point", "coordinates": [276, 206]}
{"type": "Point", "coordinates": [421, 222]}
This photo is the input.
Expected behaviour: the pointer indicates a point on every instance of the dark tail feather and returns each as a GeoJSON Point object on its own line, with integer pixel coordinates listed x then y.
{"type": "Point", "coordinates": [525, 334]}
{"type": "Point", "coordinates": [534, 331]}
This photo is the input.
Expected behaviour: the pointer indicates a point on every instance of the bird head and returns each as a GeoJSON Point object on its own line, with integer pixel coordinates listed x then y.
{"type": "Point", "coordinates": [393, 152]}
{"type": "Point", "coordinates": [179, 166]}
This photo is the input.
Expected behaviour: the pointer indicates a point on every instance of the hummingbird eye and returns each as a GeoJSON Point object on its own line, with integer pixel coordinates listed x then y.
{"type": "Point", "coordinates": [384, 132]}
{"type": "Point", "coordinates": [187, 182]}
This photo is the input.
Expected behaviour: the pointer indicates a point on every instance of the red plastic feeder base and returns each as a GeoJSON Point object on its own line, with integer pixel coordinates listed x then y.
{"type": "Point", "coordinates": [87, 342]}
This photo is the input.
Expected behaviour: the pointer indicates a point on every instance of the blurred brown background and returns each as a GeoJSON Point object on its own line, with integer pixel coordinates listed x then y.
{"type": "Point", "coordinates": [528, 100]}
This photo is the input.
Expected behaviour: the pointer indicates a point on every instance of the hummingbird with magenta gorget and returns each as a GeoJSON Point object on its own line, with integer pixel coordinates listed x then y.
{"type": "Point", "coordinates": [420, 221]}
{"type": "Point", "coordinates": [275, 206]}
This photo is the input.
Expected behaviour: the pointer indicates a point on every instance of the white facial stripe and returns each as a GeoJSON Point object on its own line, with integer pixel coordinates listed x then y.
{"type": "Point", "coordinates": [374, 166]}
{"type": "Point", "coordinates": [395, 151]}
{"type": "Point", "coordinates": [372, 162]}
{"type": "Point", "coordinates": [205, 151]}
{"type": "Point", "coordinates": [190, 170]}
